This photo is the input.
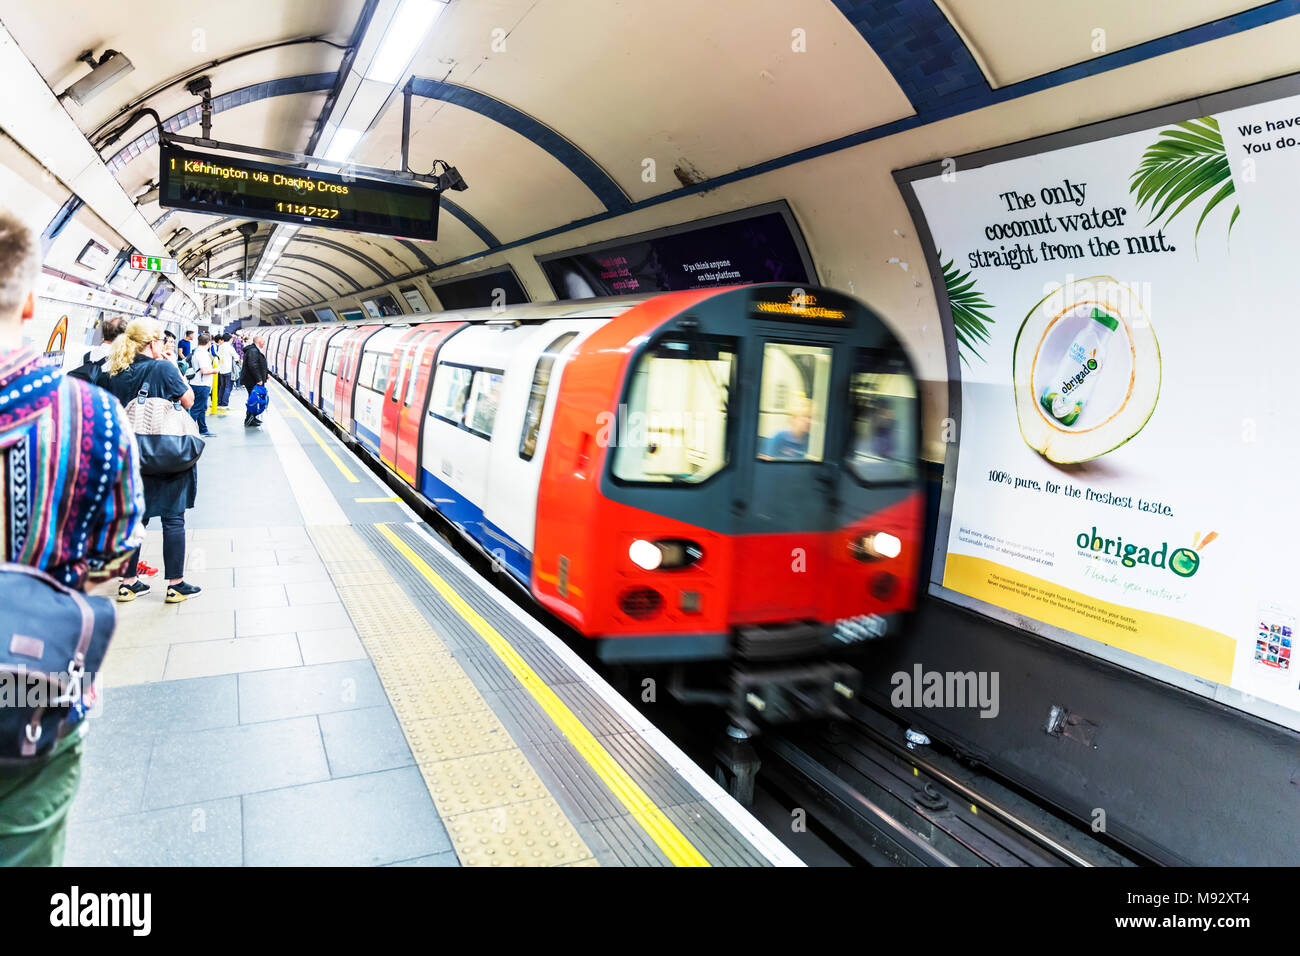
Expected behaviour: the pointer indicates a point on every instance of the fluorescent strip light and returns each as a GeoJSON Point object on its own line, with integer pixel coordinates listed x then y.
{"type": "Point", "coordinates": [405, 33]}
{"type": "Point", "coordinates": [341, 146]}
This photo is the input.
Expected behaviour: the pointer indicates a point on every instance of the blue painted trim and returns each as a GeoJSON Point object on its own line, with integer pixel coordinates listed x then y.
{"type": "Point", "coordinates": [565, 152]}
{"type": "Point", "coordinates": [933, 67]}
{"type": "Point", "coordinates": [476, 227]}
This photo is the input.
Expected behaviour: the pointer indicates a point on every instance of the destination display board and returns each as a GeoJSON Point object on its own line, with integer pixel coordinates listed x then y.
{"type": "Point", "coordinates": [228, 186]}
{"type": "Point", "coordinates": [757, 245]}
{"type": "Point", "coordinates": [480, 291]}
{"type": "Point", "coordinates": [1121, 324]}
{"type": "Point", "coordinates": [258, 290]}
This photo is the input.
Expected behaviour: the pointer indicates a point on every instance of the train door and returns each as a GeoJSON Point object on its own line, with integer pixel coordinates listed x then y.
{"type": "Point", "coordinates": [400, 369]}
{"type": "Point", "coordinates": [306, 385]}
{"type": "Point", "coordinates": [789, 451]}
{"type": "Point", "coordinates": [323, 386]}
{"type": "Point", "coordinates": [291, 367]}
{"type": "Point", "coordinates": [345, 390]}
{"type": "Point", "coordinates": [519, 446]}
{"type": "Point", "coordinates": [414, 404]}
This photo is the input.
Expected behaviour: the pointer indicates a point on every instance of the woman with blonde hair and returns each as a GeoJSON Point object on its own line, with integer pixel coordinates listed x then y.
{"type": "Point", "coordinates": [138, 361]}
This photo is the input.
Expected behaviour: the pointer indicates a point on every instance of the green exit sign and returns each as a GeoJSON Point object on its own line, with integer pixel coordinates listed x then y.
{"type": "Point", "coordinates": [153, 263]}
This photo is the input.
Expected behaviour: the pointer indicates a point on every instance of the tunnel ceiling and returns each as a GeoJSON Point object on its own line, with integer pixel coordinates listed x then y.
{"type": "Point", "coordinates": [551, 110]}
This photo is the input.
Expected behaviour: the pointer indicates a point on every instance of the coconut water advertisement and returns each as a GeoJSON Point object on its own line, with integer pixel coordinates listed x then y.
{"type": "Point", "coordinates": [1128, 334]}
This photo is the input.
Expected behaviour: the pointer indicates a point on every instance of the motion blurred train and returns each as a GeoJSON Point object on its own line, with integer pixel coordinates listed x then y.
{"type": "Point", "coordinates": [714, 475]}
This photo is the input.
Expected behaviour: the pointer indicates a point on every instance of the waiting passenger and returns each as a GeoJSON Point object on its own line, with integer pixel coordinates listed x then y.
{"type": "Point", "coordinates": [201, 382]}
{"type": "Point", "coordinates": [186, 345]}
{"type": "Point", "coordinates": [254, 374]}
{"type": "Point", "coordinates": [49, 423]}
{"type": "Point", "coordinates": [791, 443]}
{"type": "Point", "coordinates": [225, 371]}
{"type": "Point", "coordinates": [92, 365]}
{"type": "Point", "coordinates": [138, 361]}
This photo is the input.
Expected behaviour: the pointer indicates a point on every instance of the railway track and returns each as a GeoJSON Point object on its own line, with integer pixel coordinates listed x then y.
{"type": "Point", "coordinates": [886, 804]}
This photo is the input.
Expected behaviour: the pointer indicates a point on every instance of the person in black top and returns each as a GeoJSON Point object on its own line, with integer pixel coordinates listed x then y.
{"type": "Point", "coordinates": [255, 372]}
{"type": "Point", "coordinates": [138, 360]}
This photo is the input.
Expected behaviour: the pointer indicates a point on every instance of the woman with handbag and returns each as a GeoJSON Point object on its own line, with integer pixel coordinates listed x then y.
{"type": "Point", "coordinates": [135, 367]}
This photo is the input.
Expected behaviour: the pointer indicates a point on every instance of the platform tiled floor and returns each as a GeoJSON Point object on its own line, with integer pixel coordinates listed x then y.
{"type": "Point", "coordinates": [345, 691]}
{"type": "Point", "coordinates": [247, 725]}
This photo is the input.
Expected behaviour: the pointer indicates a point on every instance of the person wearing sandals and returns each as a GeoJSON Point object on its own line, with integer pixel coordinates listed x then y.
{"type": "Point", "coordinates": [137, 360]}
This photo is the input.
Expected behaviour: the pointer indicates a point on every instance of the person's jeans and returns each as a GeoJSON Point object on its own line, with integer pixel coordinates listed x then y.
{"type": "Point", "coordinates": [199, 410]}
{"type": "Point", "coordinates": [173, 548]}
{"type": "Point", "coordinates": [223, 396]}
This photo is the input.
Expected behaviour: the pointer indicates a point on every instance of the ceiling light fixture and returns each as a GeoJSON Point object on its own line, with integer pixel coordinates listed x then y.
{"type": "Point", "coordinates": [341, 146]}
{"type": "Point", "coordinates": [405, 33]}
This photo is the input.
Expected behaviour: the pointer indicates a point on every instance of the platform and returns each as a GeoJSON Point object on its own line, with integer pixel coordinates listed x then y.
{"type": "Point", "coordinates": [348, 691]}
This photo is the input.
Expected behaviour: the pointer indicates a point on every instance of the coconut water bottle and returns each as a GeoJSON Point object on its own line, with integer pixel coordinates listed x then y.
{"type": "Point", "coordinates": [1077, 372]}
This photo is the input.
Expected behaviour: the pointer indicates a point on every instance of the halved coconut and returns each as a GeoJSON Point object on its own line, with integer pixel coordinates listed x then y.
{"type": "Point", "coordinates": [1123, 395]}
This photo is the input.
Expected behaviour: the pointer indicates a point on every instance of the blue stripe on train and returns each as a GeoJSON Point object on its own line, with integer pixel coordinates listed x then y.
{"type": "Point", "coordinates": [459, 510]}
{"type": "Point", "coordinates": [366, 436]}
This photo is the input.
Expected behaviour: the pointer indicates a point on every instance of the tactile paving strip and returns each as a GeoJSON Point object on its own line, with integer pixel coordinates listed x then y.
{"type": "Point", "coordinates": [496, 809]}
{"type": "Point", "coordinates": [589, 801]}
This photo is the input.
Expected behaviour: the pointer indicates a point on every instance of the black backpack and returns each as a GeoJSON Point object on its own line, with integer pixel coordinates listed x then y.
{"type": "Point", "coordinates": [52, 642]}
{"type": "Point", "coordinates": [87, 371]}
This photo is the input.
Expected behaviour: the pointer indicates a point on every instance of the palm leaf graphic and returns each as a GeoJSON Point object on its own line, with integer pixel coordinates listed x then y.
{"type": "Point", "coordinates": [1184, 163]}
{"type": "Point", "coordinates": [970, 316]}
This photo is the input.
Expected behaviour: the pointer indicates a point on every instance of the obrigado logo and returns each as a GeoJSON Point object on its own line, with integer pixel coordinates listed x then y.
{"type": "Point", "coordinates": [1184, 562]}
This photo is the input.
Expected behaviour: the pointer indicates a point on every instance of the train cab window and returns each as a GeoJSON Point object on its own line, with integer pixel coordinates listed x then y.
{"type": "Point", "coordinates": [332, 360]}
{"type": "Point", "coordinates": [537, 395]}
{"type": "Point", "coordinates": [675, 427]}
{"type": "Point", "coordinates": [484, 396]}
{"type": "Point", "coordinates": [882, 448]}
{"type": "Point", "coordinates": [792, 402]}
{"type": "Point", "coordinates": [367, 370]}
{"type": "Point", "coordinates": [450, 391]}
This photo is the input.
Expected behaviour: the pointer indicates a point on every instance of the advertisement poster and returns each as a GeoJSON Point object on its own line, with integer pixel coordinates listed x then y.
{"type": "Point", "coordinates": [757, 248]}
{"type": "Point", "coordinates": [1124, 312]}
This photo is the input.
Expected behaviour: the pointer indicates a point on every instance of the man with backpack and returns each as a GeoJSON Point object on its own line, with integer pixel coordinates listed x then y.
{"type": "Point", "coordinates": [71, 499]}
{"type": "Point", "coordinates": [92, 363]}
{"type": "Point", "coordinates": [254, 378]}
{"type": "Point", "coordinates": [200, 377]}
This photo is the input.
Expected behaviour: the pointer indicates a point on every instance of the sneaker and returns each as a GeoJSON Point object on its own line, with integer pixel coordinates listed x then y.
{"type": "Point", "coordinates": [176, 593]}
{"type": "Point", "coordinates": [145, 570]}
{"type": "Point", "coordinates": [129, 592]}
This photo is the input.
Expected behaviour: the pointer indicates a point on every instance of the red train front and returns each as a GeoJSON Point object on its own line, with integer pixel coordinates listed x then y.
{"type": "Point", "coordinates": [732, 475]}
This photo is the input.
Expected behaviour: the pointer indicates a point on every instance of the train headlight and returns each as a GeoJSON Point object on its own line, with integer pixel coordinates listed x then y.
{"type": "Point", "coordinates": [878, 545]}
{"type": "Point", "coordinates": [664, 555]}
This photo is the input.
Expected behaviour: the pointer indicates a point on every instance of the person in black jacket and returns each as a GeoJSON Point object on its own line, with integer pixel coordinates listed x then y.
{"type": "Point", "coordinates": [254, 373]}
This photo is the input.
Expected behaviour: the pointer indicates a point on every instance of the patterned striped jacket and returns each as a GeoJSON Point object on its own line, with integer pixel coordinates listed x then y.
{"type": "Point", "coordinates": [69, 479]}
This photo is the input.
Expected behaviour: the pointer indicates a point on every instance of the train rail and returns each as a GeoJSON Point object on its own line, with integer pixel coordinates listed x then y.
{"type": "Point", "coordinates": [888, 805]}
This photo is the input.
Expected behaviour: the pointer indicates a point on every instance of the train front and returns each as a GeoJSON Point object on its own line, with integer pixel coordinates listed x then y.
{"type": "Point", "coordinates": [732, 477]}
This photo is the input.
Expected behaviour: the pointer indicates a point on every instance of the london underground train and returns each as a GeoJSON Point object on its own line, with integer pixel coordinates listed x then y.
{"type": "Point", "coordinates": [714, 475]}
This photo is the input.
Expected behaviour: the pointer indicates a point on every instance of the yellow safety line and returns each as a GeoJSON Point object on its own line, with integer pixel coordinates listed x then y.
{"type": "Point", "coordinates": [320, 441]}
{"type": "Point", "coordinates": [370, 501]}
{"type": "Point", "coordinates": [679, 850]}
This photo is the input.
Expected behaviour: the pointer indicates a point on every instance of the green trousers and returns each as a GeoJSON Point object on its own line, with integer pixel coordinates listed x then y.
{"type": "Point", "coordinates": [34, 804]}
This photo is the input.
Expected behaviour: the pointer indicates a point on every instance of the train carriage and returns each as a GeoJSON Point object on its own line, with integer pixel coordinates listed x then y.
{"type": "Point", "coordinates": [715, 475]}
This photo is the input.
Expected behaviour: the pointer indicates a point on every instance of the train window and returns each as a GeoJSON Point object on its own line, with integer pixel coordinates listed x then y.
{"type": "Point", "coordinates": [381, 371]}
{"type": "Point", "coordinates": [792, 402]}
{"type": "Point", "coordinates": [485, 394]}
{"type": "Point", "coordinates": [450, 391]}
{"type": "Point", "coordinates": [883, 393]}
{"type": "Point", "coordinates": [405, 378]}
{"type": "Point", "coordinates": [416, 355]}
{"type": "Point", "coordinates": [537, 395]}
{"type": "Point", "coordinates": [675, 427]}
{"type": "Point", "coordinates": [367, 370]}
{"type": "Point", "coordinates": [332, 360]}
